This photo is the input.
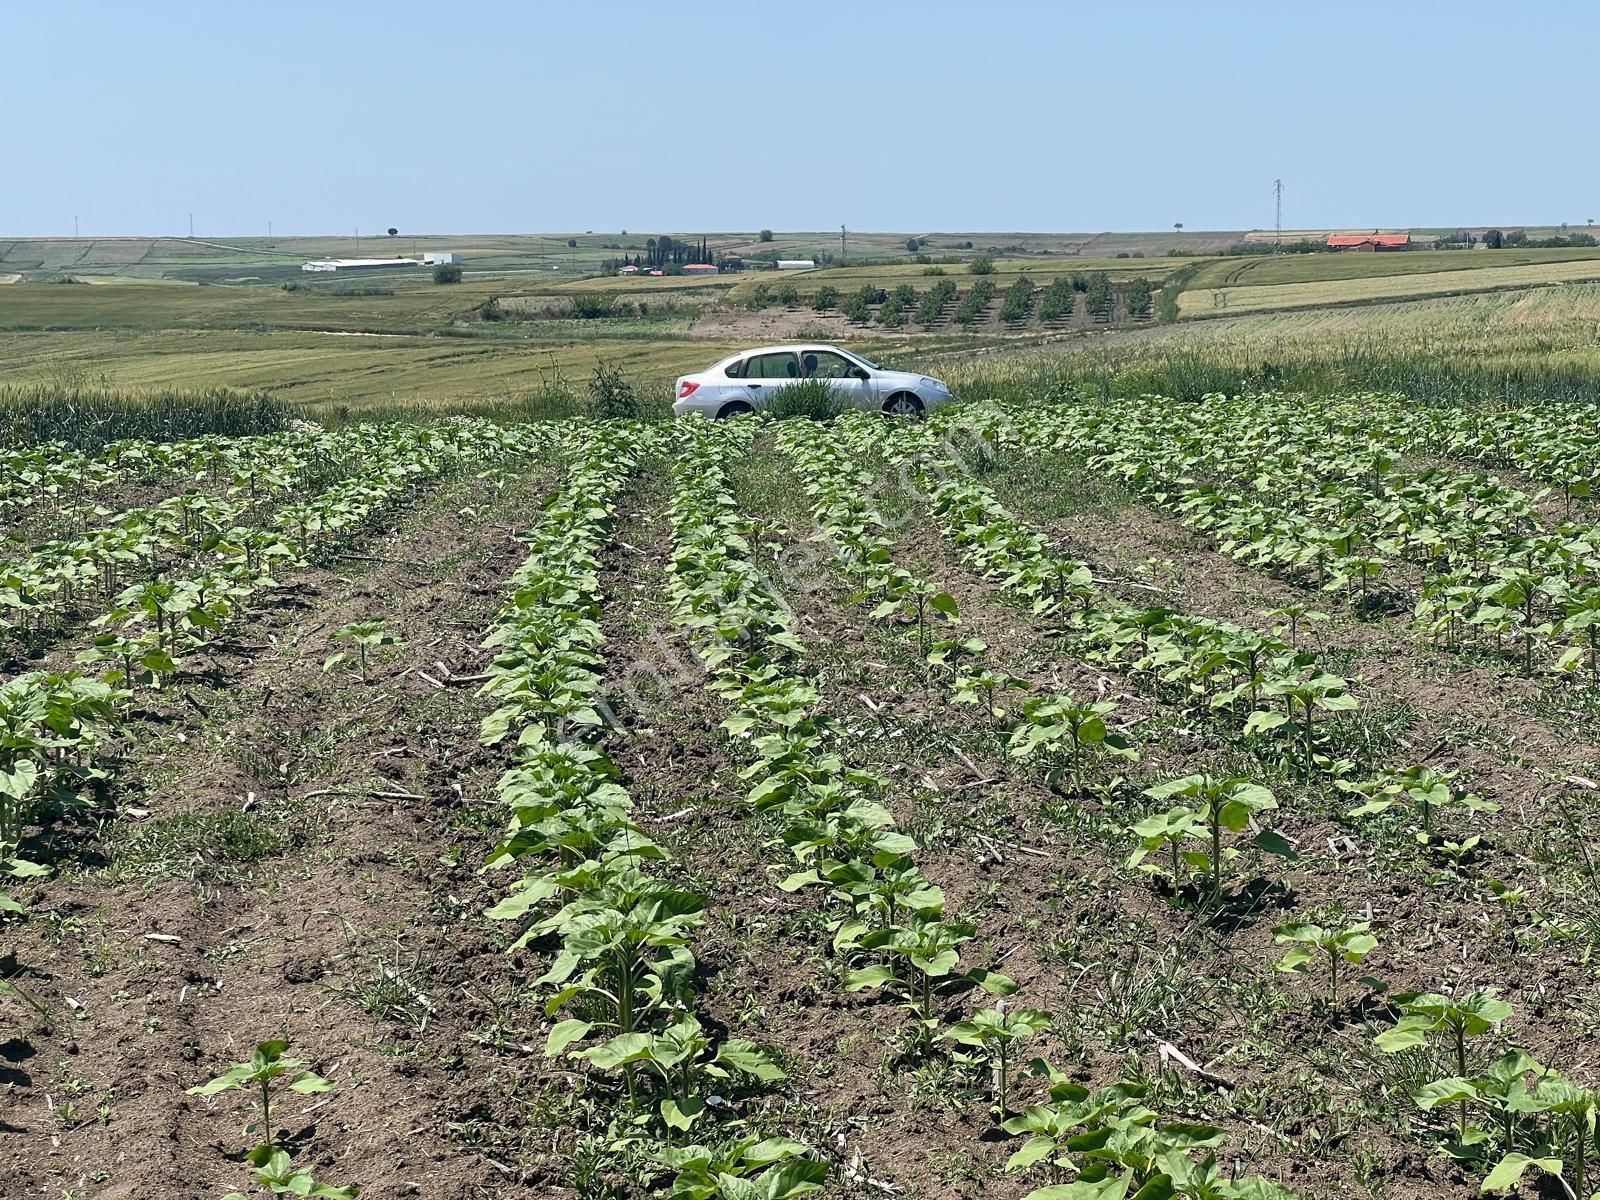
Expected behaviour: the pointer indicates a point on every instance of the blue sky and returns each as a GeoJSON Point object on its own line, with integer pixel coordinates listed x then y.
{"type": "Point", "coordinates": [881, 114]}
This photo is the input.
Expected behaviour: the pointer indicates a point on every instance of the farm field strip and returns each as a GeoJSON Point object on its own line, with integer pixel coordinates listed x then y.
{"type": "Point", "coordinates": [1419, 788]}
{"type": "Point", "coordinates": [625, 961]}
{"type": "Point", "coordinates": [1320, 500]}
{"type": "Point", "coordinates": [1206, 301]}
{"type": "Point", "coordinates": [49, 472]}
{"type": "Point", "coordinates": [239, 476]}
{"type": "Point", "coordinates": [1054, 730]}
{"type": "Point", "coordinates": [170, 575]}
{"type": "Point", "coordinates": [55, 721]}
{"type": "Point", "coordinates": [1270, 688]}
{"type": "Point", "coordinates": [888, 922]}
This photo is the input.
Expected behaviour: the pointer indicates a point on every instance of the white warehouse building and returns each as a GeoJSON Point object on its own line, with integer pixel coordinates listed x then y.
{"type": "Point", "coordinates": [796, 264]}
{"type": "Point", "coordinates": [358, 264]}
{"type": "Point", "coordinates": [440, 258]}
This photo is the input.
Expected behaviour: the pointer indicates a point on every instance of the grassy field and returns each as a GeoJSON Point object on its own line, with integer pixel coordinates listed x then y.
{"type": "Point", "coordinates": [1264, 270]}
{"type": "Point", "coordinates": [364, 342]}
{"type": "Point", "coordinates": [1367, 288]}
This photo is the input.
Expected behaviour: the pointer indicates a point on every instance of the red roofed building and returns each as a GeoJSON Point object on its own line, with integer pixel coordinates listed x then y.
{"type": "Point", "coordinates": [1369, 241]}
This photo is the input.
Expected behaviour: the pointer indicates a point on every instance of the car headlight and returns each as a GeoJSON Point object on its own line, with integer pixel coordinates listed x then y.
{"type": "Point", "coordinates": [934, 384]}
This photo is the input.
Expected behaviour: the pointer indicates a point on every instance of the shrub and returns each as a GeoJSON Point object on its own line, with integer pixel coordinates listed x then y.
{"type": "Point", "coordinates": [814, 399]}
{"type": "Point", "coordinates": [1140, 293]}
{"type": "Point", "coordinates": [981, 265]}
{"type": "Point", "coordinates": [912, 245]}
{"type": "Point", "coordinates": [934, 271]}
{"type": "Point", "coordinates": [1018, 305]}
{"type": "Point", "coordinates": [447, 273]}
{"type": "Point", "coordinates": [892, 313]}
{"type": "Point", "coordinates": [764, 236]}
{"type": "Point", "coordinates": [827, 297]}
{"type": "Point", "coordinates": [933, 303]}
{"type": "Point", "coordinates": [611, 396]}
{"type": "Point", "coordinates": [789, 295]}
{"type": "Point", "coordinates": [906, 294]}
{"type": "Point", "coordinates": [490, 310]}
{"type": "Point", "coordinates": [592, 306]}
{"type": "Point", "coordinates": [760, 296]}
{"type": "Point", "coordinates": [1058, 301]}
{"type": "Point", "coordinates": [854, 309]}
{"type": "Point", "coordinates": [1099, 296]}
{"type": "Point", "coordinates": [971, 308]}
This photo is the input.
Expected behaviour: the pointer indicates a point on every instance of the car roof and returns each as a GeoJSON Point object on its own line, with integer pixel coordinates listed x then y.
{"type": "Point", "coordinates": [792, 347]}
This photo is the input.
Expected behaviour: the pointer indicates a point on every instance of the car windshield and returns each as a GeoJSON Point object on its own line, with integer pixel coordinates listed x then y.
{"type": "Point", "coordinates": [865, 361]}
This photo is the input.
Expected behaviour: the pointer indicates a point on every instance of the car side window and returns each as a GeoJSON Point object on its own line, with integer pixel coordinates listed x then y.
{"type": "Point", "coordinates": [735, 369]}
{"type": "Point", "coordinates": [825, 364]}
{"type": "Point", "coordinates": [771, 366]}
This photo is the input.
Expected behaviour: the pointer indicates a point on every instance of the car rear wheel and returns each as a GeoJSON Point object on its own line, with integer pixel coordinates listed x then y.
{"type": "Point", "coordinates": [903, 404]}
{"type": "Point", "coordinates": [732, 409]}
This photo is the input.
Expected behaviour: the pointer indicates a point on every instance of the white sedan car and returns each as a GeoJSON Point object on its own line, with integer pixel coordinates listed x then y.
{"type": "Point", "coordinates": [746, 381]}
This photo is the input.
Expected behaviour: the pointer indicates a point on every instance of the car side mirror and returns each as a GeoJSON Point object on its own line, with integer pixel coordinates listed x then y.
{"type": "Point", "coordinates": [861, 373]}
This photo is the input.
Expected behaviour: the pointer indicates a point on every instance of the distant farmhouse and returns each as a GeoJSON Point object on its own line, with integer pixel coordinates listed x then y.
{"type": "Point", "coordinates": [1369, 241]}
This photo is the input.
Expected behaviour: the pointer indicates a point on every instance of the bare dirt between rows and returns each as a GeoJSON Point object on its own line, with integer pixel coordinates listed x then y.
{"type": "Point", "coordinates": [175, 966]}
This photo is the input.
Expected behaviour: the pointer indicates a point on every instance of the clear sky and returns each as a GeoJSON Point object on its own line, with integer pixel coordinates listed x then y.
{"type": "Point", "coordinates": [691, 115]}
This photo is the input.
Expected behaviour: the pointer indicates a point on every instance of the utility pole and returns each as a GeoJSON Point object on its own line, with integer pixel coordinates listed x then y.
{"type": "Point", "coordinates": [191, 225]}
{"type": "Point", "coordinates": [1277, 224]}
{"type": "Point", "coordinates": [74, 227]}
{"type": "Point", "coordinates": [269, 231]}
{"type": "Point", "coordinates": [842, 252]}
{"type": "Point", "coordinates": [358, 242]}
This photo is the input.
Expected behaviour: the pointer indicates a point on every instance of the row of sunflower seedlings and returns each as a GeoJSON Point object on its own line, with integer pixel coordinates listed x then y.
{"type": "Point", "coordinates": [1490, 572]}
{"type": "Point", "coordinates": [43, 590]}
{"type": "Point", "coordinates": [888, 920]}
{"type": "Point", "coordinates": [58, 478]}
{"type": "Point", "coordinates": [594, 888]}
{"type": "Point", "coordinates": [1182, 655]}
{"type": "Point", "coordinates": [1106, 1140]}
{"type": "Point", "coordinates": [1273, 688]}
{"type": "Point", "coordinates": [156, 621]}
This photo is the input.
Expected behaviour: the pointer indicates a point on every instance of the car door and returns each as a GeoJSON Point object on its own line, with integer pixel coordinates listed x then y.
{"type": "Point", "coordinates": [765, 373]}
{"type": "Point", "coordinates": [840, 374]}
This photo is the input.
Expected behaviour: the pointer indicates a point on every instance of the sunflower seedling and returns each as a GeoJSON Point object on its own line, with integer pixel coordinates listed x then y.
{"type": "Point", "coordinates": [367, 635]}
{"type": "Point", "coordinates": [1307, 942]}
{"type": "Point", "coordinates": [1222, 804]}
{"type": "Point", "coordinates": [993, 1031]}
{"type": "Point", "coordinates": [268, 1071]}
{"type": "Point", "coordinates": [273, 1170]}
{"type": "Point", "coordinates": [1428, 1013]}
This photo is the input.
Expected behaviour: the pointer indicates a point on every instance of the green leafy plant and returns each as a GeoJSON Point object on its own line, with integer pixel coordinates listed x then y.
{"type": "Point", "coordinates": [266, 1073]}
{"type": "Point", "coordinates": [272, 1168]}
{"type": "Point", "coordinates": [367, 635]}
{"type": "Point", "coordinates": [1308, 942]}
{"type": "Point", "coordinates": [995, 1032]}
{"type": "Point", "coordinates": [745, 1169]}
{"type": "Point", "coordinates": [1220, 804]}
{"type": "Point", "coordinates": [1429, 1015]}
{"type": "Point", "coordinates": [1066, 733]}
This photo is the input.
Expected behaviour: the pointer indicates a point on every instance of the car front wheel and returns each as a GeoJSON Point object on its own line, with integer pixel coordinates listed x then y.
{"type": "Point", "coordinates": [903, 404]}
